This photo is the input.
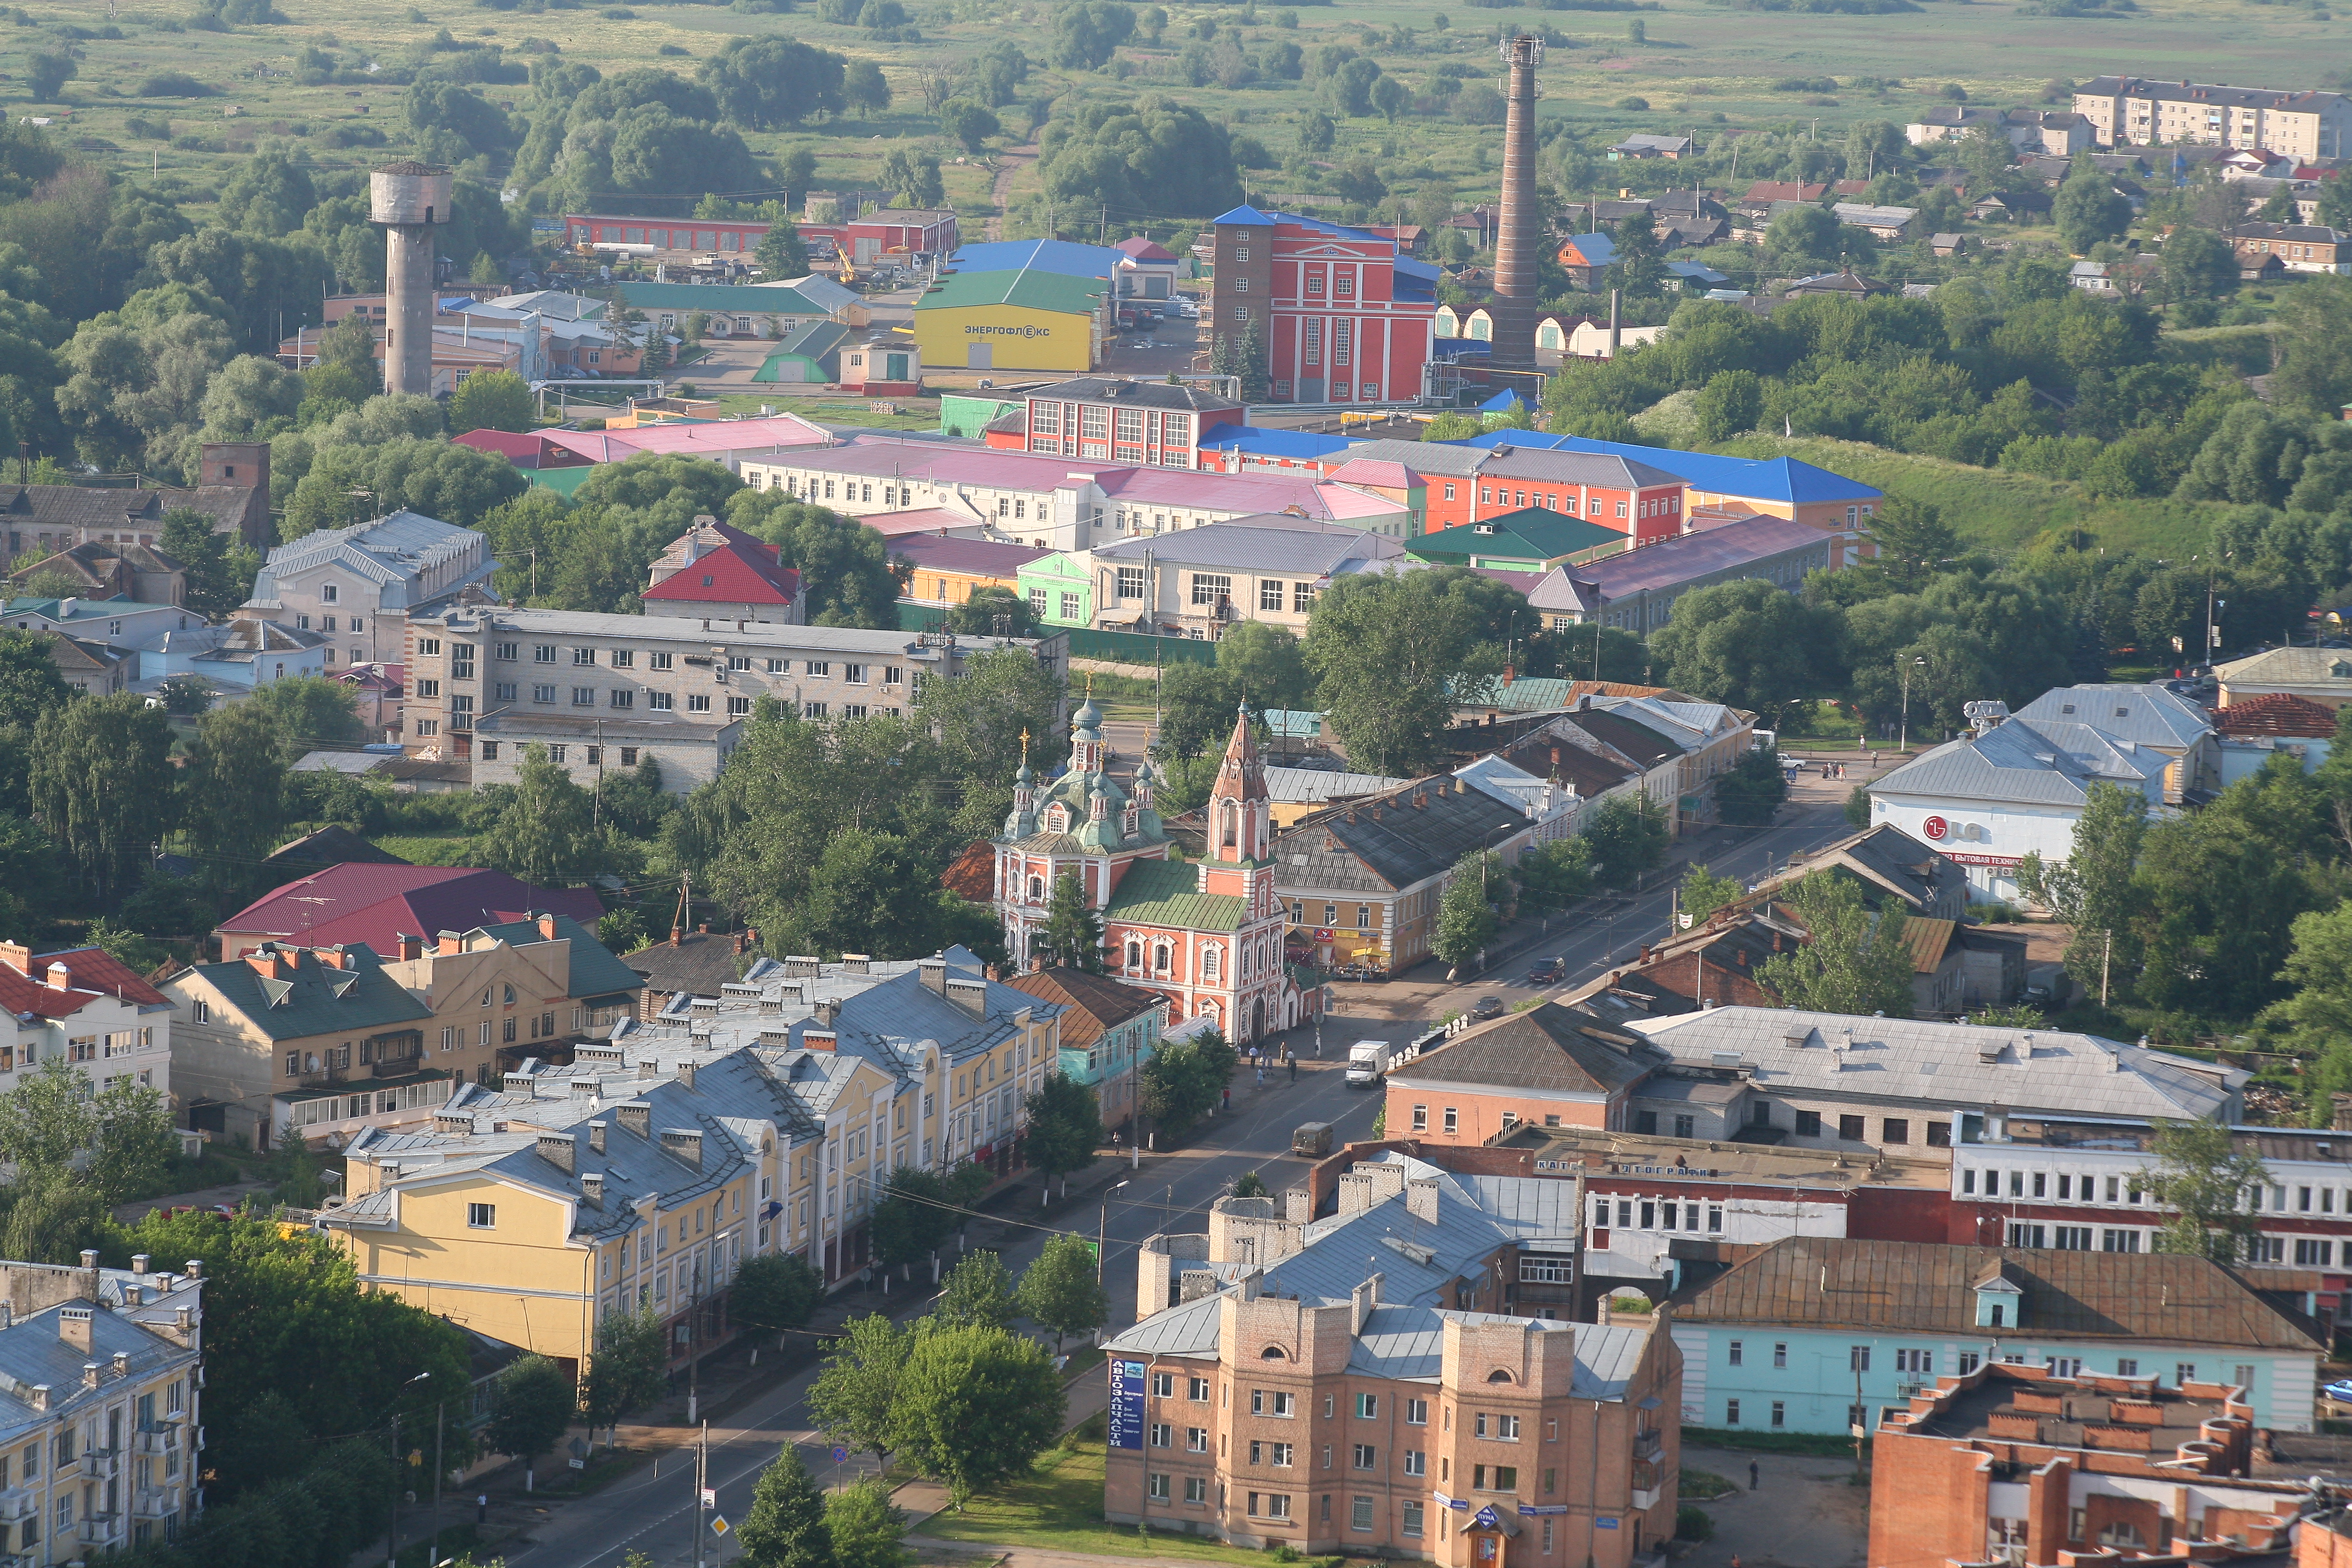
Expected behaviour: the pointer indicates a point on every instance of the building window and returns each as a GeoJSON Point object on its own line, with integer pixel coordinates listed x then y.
{"type": "Point", "coordinates": [482, 1216]}
{"type": "Point", "coordinates": [1415, 1519]}
{"type": "Point", "coordinates": [1733, 1353]}
{"type": "Point", "coordinates": [1780, 1414]}
{"type": "Point", "coordinates": [1365, 1456]}
{"type": "Point", "coordinates": [1159, 1484]}
{"type": "Point", "coordinates": [1212, 588]}
{"type": "Point", "coordinates": [1850, 1128]}
{"type": "Point", "coordinates": [1453, 1119]}
{"type": "Point", "coordinates": [1896, 1130]}
{"type": "Point", "coordinates": [1196, 1488]}
{"type": "Point", "coordinates": [1495, 1478]}
{"type": "Point", "coordinates": [1360, 1514]}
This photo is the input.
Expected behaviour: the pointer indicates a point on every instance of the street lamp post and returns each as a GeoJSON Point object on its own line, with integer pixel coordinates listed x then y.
{"type": "Point", "coordinates": [1102, 1231]}
{"type": "Point", "coordinates": [392, 1530]}
{"type": "Point", "coordinates": [1919, 661]}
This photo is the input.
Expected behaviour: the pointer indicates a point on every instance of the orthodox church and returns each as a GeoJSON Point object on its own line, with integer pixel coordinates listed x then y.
{"type": "Point", "coordinates": [1207, 936]}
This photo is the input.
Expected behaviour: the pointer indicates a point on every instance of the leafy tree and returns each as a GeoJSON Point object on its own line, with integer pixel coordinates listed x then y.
{"type": "Point", "coordinates": [914, 1218]}
{"type": "Point", "coordinates": [1802, 240]}
{"type": "Point", "coordinates": [1182, 1079]}
{"type": "Point", "coordinates": [768, 83]}
{"type": "Point", "coordinates": [535, 1405]}
{"type": "Point", "coordinates": [1073, 933]}
{"type": "Point", "coordinates": [234, 788]}
{"type": "Point", "coordinates": [1351, 86]}
{"type": "Point", "coordinates": [1728, 405]}
{"type": "Point", "coordinates": [30, 684]}
{"type": "Point", "coordinates": [47, 72]}
{"type": "Point", "coordinates": [1703, 892]}
{"type": "Point", "coordinates": [1064, 1126]}
{"type": "Point", "coordinates": [979, 1405]}
{"type": "Point", "coordinates": [1265, 665]}
{"type": "Point", "coordinates": [865, 1527]}
{"type": "Point", "coordinates": [977, 1292]}
{"type": "Point", "coordinates": [51, 1118]}
{"type": "Point", "coordinates": [1627, 837]}
{"type": "Point", "coordinates": [543, 836]}
{"type": "Point", "coordinates": [865, 89]}
{"type": "Point", "coordinates": [1390, 652]}
{"type": "Point", "coordinates": [776, 1292]}
{"type": "Point", "coordinates": [1746, 643]}
{"type": "Point", "coordinates": [215, 585]}
{"type": "Point", "coordinates": [262, 279]}
{"type": "Point", "coordinates": [855, 1398]}
{"type": "Point", "coordinates": [786, 1527]}
{"type": "Point", "coordinates": [52, 1217]}
{"type": "Point", "coordinates": [1465, 914]}
{"type": "Point", "coordinates": [630, 1368]}
{"type": "Point", "coordinates": [1391, 99]}
{"type": "Point", "coordinates": [1555, 873]}
{"type": "Point", "coordinates": [993, 611]}
{"type": "Point", "coordinates": [1147, 156]}
{"type": "Point", "coordinates": [2313, 329]}
{"type": "Point", "coordinates": [493, 400]}
{"type": "Point", "coordinates": [1914, 541]}
{"type": "Point", "coordinates": [1085, 34]}
{"type": "Point", "coordinates": [1751, 791]}
{"type": "Point", "coordinates": [969, 122]}
{"type": "Point", "coordinates": [2088, 209]}
{"type": "Point", "coordinates": [101, 783]}
{"type": "Point", "coordinates": [1060, 1289]}
{"type": "Point", "coordinates": [2202, 1175]}
{"type": "Point", "coordinates": [2093, 890]}
{"type": "Point", "coordinates": [980, 716]}
{"type": "Point", "coordinates": [783, 253]}
{"type": "Point", "coordinates": [1249, 1184]}
{"type": "Point", "coordinates": [310, 712]}
{"type": "Point", "coordinates": [997, 74]}
{"type": "Point", "coordinates": [2199, 265]}
{"type": "Point", "coordinates": [1857, 807]}
{"type": "Point", "coordinates": [913, 177]}
{"type": "Point", "coordinates": [1846, 963]}
{"type": "Point", "coordinates": [853, 580]}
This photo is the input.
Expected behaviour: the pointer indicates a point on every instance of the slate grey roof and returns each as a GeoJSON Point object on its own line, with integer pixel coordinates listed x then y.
{"type": "Point", "coordinates": [310, 998]}
{"type": "Point", "coordinates": [2145, 714]}
{"type": "Point", "coordinates": [2031, 1071]}
{"type": "Point", "coordinates": [34, 1353]}
{"type": "Point", "coordinates": [1294, 785]}
{"type": "Point", "coordinates": [393, 552]}
{"type": "Point", "coordinates": [1143, 394]}
{"type": "Point", "coordinates": [2041, 764]}
{"type": "Point", "coordinates": [1389, 843]}
{"type": "Point", "coordinates": [1549, 1046]}
{"type": "Point", "coordinates": [1421, 457]}
{"type": "Point", "coordinates": [1238, 546]}
{"type": "Point", "coordinates": [594, 971]}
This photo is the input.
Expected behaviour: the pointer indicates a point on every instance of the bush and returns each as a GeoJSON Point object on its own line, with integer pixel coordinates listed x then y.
{"type": "Point", "coordinates": [172, 84]}
{"type": "Point", "coordinates": [1692, 1523]}
{"type": "Point", "coordinates": [1635, 104]}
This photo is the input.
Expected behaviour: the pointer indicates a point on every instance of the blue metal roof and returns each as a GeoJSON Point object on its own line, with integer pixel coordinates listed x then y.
{"type": "Point", "coordinates": [1504, 403]}
{"type": "Point", "coordinates": [1768, 478]}
{"type": "Point", "coordinates": [1264, 441]}
{"type": "Point", "coordinates": [1058, 256]}
{"type": "Point", "coordinates": [1244, 214]}
{"type": "Point", "coordinates": [1699, 271]}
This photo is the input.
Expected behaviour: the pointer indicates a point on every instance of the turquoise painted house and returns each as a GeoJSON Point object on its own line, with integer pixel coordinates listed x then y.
{"type": "Point", "coordinates": [1820, 1334]}
{"type": "Point", "coordinates": [1108, 1031]}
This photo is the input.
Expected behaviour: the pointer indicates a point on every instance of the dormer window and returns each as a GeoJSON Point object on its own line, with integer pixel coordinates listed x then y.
{"type": "Point", "coordinates": [329, 593]}
{"type": "Point", "coordinates": [1999, 1302]}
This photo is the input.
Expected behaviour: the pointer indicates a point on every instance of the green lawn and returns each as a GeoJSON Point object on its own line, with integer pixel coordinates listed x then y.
{"type": "Point", "coordinates": [425, 848]}
{"type": "Point", "coordinates": [1060, 1509]}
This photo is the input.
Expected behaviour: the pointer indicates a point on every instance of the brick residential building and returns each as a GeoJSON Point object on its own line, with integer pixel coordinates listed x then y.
{"type": "Point", "coordinates": [716, 569]}
{"type": "Point", "coordinates": [1281, 1390]}
{"type": "Point", "coordinates": [1127, 421]}
{"type": "Point", "coordinates": [1344, 315]}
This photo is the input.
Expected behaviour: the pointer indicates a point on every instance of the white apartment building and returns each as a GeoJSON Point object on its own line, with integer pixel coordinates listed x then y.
{"type": "Point", "coordinates": [357, 586]}
{"type": "Point", "coordinates": [484, 681]}
{"type": "Point", "coordinates": [87, 1007]}
{"type": "Point", "coordinates": [2130, 110]}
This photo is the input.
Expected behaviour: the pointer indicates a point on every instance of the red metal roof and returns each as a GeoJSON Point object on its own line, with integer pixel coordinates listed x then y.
{"type": "Point", "coordinates": [95, 974]}
{"type": "Point", "coordinates": [734, 574]}
{"type": "Point", "coordinates": [2277, 714]}
{"type": "Point", "coordinates": [373, 904]}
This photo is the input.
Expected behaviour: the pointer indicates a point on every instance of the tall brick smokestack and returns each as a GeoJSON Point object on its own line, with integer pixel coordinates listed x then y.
{"type": "Point", "coordinates": [1514, 305]}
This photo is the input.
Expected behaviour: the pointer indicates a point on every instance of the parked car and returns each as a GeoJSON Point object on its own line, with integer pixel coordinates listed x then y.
{"type": "Point", "coordinates": [1547, 972]}
{"type": "Point", "coordinates": [2339, 1391]}
{"type": "Point", "coordinates": [1486, 1007]}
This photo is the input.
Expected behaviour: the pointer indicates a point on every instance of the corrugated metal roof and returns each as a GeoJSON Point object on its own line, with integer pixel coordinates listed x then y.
{"type": "Point", "coordinates": [1297, 784]}
{"type": "Point", "coordinates": [2145, 714]}
{"type": "Point", "coordinates": [1240, 547]}
{"type": "Point", "coordinates": [2042, 764]}
{"type": "Point", "coordinates": [1167, 893]}
{"type": "Point", "coordinates": [2031, 1071]}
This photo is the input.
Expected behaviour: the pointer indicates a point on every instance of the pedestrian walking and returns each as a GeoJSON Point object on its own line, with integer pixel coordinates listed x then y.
{"type": "Point", "coordinates": [1294, 1070]}
{"type": "Point", "coordinates": [1261, 1077]}
{"type": "Point", "coordinates": [1755, 1475]}
{"type": "Point", "coordinates": [1229, 1098]}
{"type": "Point", "coordinates": [481, 1508]}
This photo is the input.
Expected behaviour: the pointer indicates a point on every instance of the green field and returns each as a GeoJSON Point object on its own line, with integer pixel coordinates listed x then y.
{"type": "Point", "coordinates": [1702, 68]}
{"type": "Point", "coordinates": [1058, 1507]}
{"type": "Point", "coordinates": [425, 848]}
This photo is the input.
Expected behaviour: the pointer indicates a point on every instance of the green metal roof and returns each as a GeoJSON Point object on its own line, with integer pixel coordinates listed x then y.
{"type": "Point", "coordinates": [1166, 893]}
{"type": "Point", "coordinates": [317, 1000]}
{"type": "Point", "coordinates": [1055, 568]}
{"type": "Point", "coordinates": [1530, 533]}
{"type": "Point", "coordinates": [1030, 290]}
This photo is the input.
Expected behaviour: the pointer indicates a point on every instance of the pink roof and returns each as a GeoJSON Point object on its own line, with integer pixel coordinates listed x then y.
{"type": "Point", "coordinates": [920, 520]}
{"type": "Point", "coordinates": [1346, 501]}
{"type": "Point", "coordinates": [1371, 471]}
{"type": "Point", "coordinates": [1142, 249]}
{"type": "Point", "coordinates": [92, 972]}
{"type": "Point", "coordinates": [508, 443]}
{"type": "Point", "coordinates": [929, 551]}
{"type": "Point", "coordinates": [373, 904]}
{"type": "Point", "coordinates": [737, 573]}
{"type": "Point", "coordinates": [711, 440]}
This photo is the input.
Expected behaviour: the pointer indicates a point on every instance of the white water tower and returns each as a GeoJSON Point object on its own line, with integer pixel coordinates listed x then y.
{"type": "Point", "coordinates": [409, 199]}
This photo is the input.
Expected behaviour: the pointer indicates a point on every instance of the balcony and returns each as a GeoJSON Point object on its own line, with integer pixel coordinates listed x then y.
{"type": "Point", "coordinates": [154, 1503]}
{"type": "Point", "coordinates": [1646, 1498]}
{"type": "Point", "coordinates": [1648, 1446]}
{"type": "Point", "coordinates": [156, 1439]}
{"type": "Point", "coordinates": [19, 1503]}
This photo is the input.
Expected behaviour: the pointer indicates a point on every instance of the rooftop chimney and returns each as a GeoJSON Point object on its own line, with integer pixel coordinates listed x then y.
{"type": "Point", "coordinates": [73, 1327]}
{"type": "Point", "coordinates": [409, 946]}
{"type": "Point", "coordinates": [686, 1076]}
{"type": "Point", "coordinates": [638, 1117]}
{"type": "Point", "coordinates": [591, 1189]}
{"type": "Point", "coordinates": [61, 976]}
{"type": "Point", "coordinates": [558, 1149]}
{"type": "Point", "coordinates": [448, 942]}
{"type": "Point", "coordinates": [596, 1137]}
{"type": "Point", "coordinates": [139, 1261]}
{"type": "Point", "coordinates": [933, 973]}
{"type": "Point", "coordinates": [686, 1142]}
{"type": "Point", "coordinates": [546, 926]}
{"type": "Point", "coordinates": [971, 996]}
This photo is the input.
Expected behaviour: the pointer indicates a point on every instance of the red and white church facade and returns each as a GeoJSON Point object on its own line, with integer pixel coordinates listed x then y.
{"type": "Point", "coordinates": [1207, 935]}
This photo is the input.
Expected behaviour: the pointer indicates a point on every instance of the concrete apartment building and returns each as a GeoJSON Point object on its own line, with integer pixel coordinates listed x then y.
{"type": "Point", "coordinates": [100, 1433]}
{"type": "Point", "coordinates": [1264, 568]}
{"type": "Point", "coordinates": [1387, 1381]}
{"type": "Point", "coordinates": [358, 586]}
{"type": "Point", "coordinates": [324, 1042]}
{"type": "Point", "coordinates": [2137, 112]}
{"type": "Point", "coordinates": [605, 690]}
{"type": "Point", "coordinates": [84, 1006]}
{"type": "Point", "coordinates": [232, 489]}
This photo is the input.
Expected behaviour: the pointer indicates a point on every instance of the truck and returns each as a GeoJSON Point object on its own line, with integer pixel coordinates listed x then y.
{"type": "Point", "coordinates": [1312, 1141]}
{"type": "Point", "coordinates": [1367, 1060]}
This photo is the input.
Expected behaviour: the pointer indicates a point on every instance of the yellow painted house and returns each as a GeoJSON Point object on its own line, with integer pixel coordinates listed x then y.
{"type": "Point", "coordinates": [1027, 320]}
{"type": "Point", "coordinates": [642, 1174]}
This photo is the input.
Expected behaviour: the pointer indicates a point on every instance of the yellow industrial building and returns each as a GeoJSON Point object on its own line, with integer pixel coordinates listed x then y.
{"type": "Point", "coordinates": [1026, 320]}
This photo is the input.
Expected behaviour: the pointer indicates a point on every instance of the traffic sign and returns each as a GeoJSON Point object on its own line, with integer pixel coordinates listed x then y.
{"type": "Point", "coordinates": [718, 1524]}
{"type": "Point", "coordinates": [840, 1455]}
{"type": "Point", "coordinates": [709, 1498]}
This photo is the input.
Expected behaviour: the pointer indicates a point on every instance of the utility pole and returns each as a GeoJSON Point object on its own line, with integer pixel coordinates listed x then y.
{"type": "Point", "coordinates": [2107, 957]}
{"type": "Point", "coordinates": [440, 1416]}
{"type": "Point", "coordinates": [702, 1497]}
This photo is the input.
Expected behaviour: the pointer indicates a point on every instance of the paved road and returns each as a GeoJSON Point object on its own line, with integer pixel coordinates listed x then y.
{"type": "Point", "coordinates": [652, 1514]}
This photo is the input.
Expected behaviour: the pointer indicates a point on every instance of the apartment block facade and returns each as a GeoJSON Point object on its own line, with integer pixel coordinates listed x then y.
{"type": "Point", "coordinates": [485, 681]}
{"type": "Point", "coordinates": [2135, 111]}
{"type": "Point", "coordinates": [84, 1006]}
